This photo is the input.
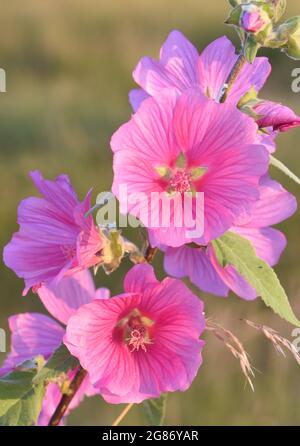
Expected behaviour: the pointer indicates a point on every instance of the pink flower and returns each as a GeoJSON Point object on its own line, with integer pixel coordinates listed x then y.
{"type": "Point", "coordinates": [35, 334]}
{"type": "Point", "coordinates": [188, 143]}
{"type": "Point", "coordinates": [54, 238]}
{"type": "Point", "coordinates": [181, 67]}
{"type": "Point", "coordinates": [142, 343]}
{"type": "Point", "coordinates": [201, 265]}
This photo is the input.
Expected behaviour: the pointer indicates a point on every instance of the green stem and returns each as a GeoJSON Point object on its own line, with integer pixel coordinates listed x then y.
{"type": "Point", "coordinates": [68, 397]}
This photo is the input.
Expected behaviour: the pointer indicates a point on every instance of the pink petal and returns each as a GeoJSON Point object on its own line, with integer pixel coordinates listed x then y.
{"type": "Point", "coordinates": [277, 116]}
{"type": "Point", "coordinates": [177, 67]}
{"type": "Point", "coordinates": [64, 298]}
{"type": "Point", "coordinates": [138, 278]}
{"type": "Point", "coordinates": [195, 264]}
{"type": "Point", "coordinates": [33, 334]}
{"type": "Point", "coordinates": [59, 192]}
{"type": "Point", "coordinates": [268, 243]}
{"type": "Point", "coordinates": [152, 128]}
{"type": "Point", "coordinates": [267, 140]}
{"type": "Point", "coordinates": [215, 64]}
{"type": "Point", "coordinates": [136, 97]}
{"type": "Point", "coordinates": [274, 205]}
{"type": "Point", "coordinates": [233, 279]}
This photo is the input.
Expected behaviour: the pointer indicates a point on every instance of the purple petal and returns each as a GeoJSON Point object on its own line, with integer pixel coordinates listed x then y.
{"type": "Point", "coordinates": [195, 264]}
{"type": "Point", "coordinates": [136, 97]}
{"type": "Point", "coordinates": [274, 205]}
{"type": "Point", "coordinates": [33, 334]}
{"type": "Point", "coordinates": [215, 64]}
{"type": "Point", "coordinates": [277, 116]}
{"type": "Point", "coordinates": [268, 243]}
{"type": "Point", "coordinates": [63, 299]}
{"type": "Point", "coordinates": [177, 67]}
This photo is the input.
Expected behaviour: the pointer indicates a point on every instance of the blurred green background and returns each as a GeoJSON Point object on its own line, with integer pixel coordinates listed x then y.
{"type": "Point", "coordinates": [68, 66]}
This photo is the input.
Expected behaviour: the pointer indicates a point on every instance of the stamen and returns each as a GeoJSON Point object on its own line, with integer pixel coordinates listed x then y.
{"type": "Point", "coordinates": [138, 338]}
{"type": "Point", "coordinates": [180, 182]}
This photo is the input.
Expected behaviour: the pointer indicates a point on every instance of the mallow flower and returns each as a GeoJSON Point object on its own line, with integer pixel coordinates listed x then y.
{"type": "Point", "coordinates": [142, 343]}
{"type": "Point", "coordinates": [34, 334]}
{"type": "Point", "coordinates": [200, 264]}
{"type": "Point", "coordinates": [185, 144]}
{"type": "Point", "coordinates": [180, 66]}
{"type": "Point", "coordinates": [55, 238]}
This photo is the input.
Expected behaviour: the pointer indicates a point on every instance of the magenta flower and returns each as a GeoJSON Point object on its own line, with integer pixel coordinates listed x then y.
{"type": "Point", "coordinates": [54, 238]}
{"type": "Point", "coordinates": [181, 67]}
{"type": "Point", "coordinates": [35, 334]}
{"type": "Point", "coordinates": [142, 343]}
{"type": "Point", "coordinates": [188, 143]}
{"type": "Point", "coordinates": [201, 265]}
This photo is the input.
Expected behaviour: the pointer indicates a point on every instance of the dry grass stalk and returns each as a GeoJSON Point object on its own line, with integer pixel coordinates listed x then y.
{"type": "Point", "coordinates": [234, 345]}
{"type": "Point", "coordinates": [278, 341]}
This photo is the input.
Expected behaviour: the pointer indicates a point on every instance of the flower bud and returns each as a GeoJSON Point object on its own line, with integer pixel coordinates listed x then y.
{"type": "Point", "coordinates": [254, 18]}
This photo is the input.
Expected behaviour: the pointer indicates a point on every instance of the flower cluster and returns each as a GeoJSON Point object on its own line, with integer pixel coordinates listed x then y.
{"type": "Point", "coordinates": [183, 138]}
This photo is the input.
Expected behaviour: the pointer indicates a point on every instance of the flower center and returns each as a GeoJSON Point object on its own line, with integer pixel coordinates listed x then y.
{"type": "Point", "coordinates": [138, 339]}
{"type": "Point", "coordinates": [136, 330]}
{"type": "Point", "coordinates": [180, 182]}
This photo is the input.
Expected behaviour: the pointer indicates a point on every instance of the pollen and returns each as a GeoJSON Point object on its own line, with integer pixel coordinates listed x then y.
{"type": "Point", "coordinates": [180, 182]}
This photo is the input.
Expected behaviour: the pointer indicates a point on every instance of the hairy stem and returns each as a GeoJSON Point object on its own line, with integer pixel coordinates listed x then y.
{"type": "Point", "coordinates": [67, 398]}
{"type": "Point", "coordinates": [232, 77]}
{"type": "Point", "coordinates": [122, 415]}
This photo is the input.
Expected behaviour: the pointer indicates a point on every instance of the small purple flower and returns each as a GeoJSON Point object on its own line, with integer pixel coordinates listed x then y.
{"type": "Point", "coordinates": [55, 238]}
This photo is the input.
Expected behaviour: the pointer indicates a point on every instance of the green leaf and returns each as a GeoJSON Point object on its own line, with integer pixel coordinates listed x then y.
{"type": "Point", "coordinates": [234, 16]}
{"type": "Point", "coordinates": [276, 163]}
{"type": "Point", "coordinates": [251, 48]}
{"type": "Point", "coordinates": [20, 400]}
{"type": "Point", "coordinates": [235, 250]}
{"type": "Point", "coordinates": [60, 362]}
{"type": "Point", "coordinates": [155, 410]}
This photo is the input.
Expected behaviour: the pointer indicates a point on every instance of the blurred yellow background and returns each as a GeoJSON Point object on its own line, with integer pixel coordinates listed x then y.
{"type": "Point", "coordinates": [68, 65]}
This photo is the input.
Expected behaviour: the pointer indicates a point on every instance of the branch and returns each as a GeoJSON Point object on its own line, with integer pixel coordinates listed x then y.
{"type": "Point", "coordinates": [232, 77]}
{"type": "Point", "coordinates": [67, 398]}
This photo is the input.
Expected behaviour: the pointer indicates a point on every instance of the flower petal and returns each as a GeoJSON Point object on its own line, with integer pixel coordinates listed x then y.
{"type": "Point", "coordinates": [215, 64]}
{"type": "Point", "coordinates": [64, 298]}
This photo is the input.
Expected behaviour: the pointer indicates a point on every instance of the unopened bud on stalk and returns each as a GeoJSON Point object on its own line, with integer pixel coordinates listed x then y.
{"type": "Point", "coordinates": [254, 18]}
